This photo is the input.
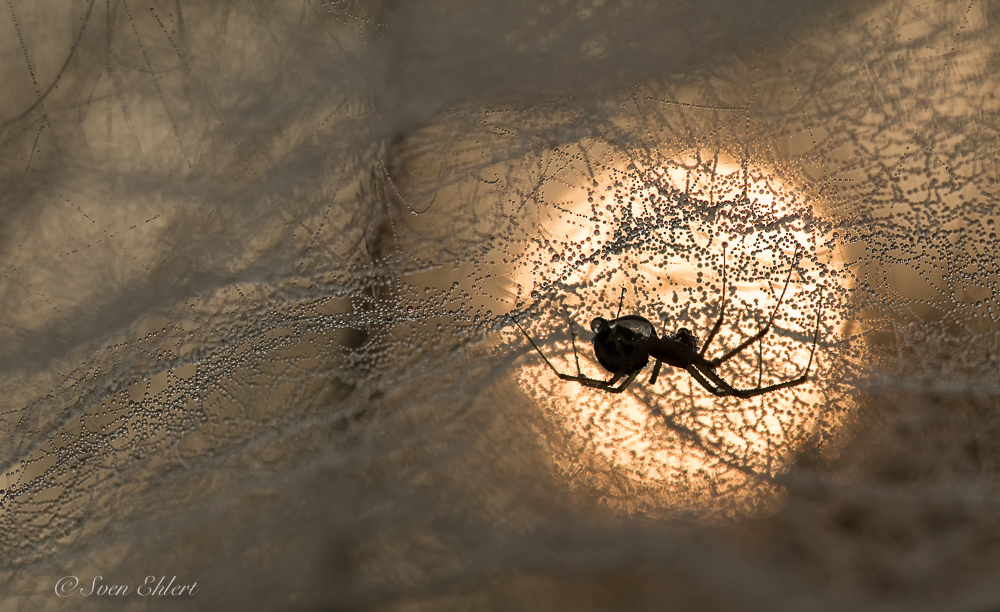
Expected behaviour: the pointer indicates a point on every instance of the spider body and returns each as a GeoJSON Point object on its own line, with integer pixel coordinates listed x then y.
{"type": "Point", "coordinates": [624, 345]}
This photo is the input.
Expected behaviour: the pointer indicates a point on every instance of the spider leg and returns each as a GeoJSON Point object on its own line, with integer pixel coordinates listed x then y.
{"type": "Point", "coordinates": [621, 302]}
{"type": "Point", "coordinates": [728, 389]}
{"type": "Point", "coordinates": [656, 372]}
{"type": "Point", "coordinates": [604, 385]}
{"type": "Point", "coordinates": [700, 379]}
{"type": "Point", "coordinates": [763, 331]}
{"type": "Point", "coordinates": [628, 381]}
{"type": "Point", "coordinates": [544, 358]}
{"type": "Point", "coordinates": [760, 363]}
{"type": "Point", "coordinates": [722, 308]}
{"type": "Point", "coordinates": [612, 381]}
{"type": "Point", "coordinates": [572, 336]}
{"type": "Point", "coordinates": [748, 393]}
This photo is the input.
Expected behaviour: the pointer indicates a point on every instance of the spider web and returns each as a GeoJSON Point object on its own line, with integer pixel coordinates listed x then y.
{"type": "Point", "coordinates": [260, 264]}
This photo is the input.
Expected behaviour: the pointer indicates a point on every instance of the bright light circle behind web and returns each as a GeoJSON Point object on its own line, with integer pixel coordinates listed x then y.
{"type": "Point", "coordinates": [660, 233]}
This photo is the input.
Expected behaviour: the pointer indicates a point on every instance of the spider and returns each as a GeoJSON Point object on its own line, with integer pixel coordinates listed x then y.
{"type": "Point", "coordinates": [624, 345]}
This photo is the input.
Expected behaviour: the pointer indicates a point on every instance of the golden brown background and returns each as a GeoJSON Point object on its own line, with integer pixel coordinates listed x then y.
{"type": "Point", "coordinates": [256, 258]}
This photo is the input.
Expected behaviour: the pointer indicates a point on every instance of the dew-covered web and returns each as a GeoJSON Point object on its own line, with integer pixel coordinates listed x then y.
{"type": "Point", "coordinates": [261, 265]}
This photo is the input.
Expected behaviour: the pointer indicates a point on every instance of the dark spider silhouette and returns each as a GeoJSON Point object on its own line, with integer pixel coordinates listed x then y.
{"type": "Point", "coordinates": [624, 345]}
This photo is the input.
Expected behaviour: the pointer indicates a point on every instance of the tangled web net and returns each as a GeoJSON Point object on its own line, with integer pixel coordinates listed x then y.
{"type": "Point", "coordinates": [261, 267]}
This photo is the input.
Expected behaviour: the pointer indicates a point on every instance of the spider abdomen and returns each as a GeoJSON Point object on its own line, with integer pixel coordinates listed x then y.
{"type": "Point", "coordinates": [622, 346]}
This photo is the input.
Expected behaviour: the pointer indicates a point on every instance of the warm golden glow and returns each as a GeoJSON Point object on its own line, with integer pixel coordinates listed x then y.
{"type": "Point", "coordinates": [676, 436]}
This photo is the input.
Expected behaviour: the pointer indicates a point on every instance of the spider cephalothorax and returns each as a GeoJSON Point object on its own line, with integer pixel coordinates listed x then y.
{"type": "Point", "coordinates": [624, 345]}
